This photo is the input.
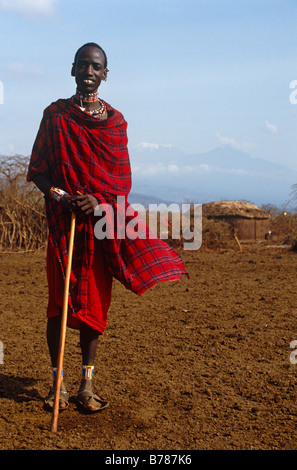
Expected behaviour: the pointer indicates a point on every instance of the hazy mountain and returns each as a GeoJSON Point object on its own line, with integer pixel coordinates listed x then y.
{"type": "Point", "coordinates": [166, 173]}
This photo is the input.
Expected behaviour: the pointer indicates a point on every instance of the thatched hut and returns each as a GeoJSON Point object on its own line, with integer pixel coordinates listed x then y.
{"type": "Point", "coordinates": [248, 221]}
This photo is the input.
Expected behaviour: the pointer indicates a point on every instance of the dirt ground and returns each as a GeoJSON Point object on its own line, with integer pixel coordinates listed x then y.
{"type": "Point", "coordinates": [203, 364]}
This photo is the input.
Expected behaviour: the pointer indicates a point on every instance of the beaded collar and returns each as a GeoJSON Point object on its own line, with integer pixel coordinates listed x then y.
{"type": "Point", "coordinates": [90, 98]}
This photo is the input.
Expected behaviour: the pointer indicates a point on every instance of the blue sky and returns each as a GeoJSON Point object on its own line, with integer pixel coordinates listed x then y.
{"type": "Point", "coordinates": [190, 73]}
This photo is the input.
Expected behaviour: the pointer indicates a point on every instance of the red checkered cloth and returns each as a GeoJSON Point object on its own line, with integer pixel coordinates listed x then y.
{"type": "Point", "coordinates": [76, 150]}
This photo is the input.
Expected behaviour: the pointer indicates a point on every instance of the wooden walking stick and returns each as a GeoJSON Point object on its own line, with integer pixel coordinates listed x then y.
{"type": "Point", "coordinates": [55, 412]}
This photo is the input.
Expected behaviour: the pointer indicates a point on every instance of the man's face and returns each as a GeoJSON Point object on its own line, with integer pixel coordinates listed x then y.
{"type": "Point", "coordinates": [89, 69]}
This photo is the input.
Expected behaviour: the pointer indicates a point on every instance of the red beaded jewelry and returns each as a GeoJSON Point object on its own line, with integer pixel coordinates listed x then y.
{"type": "Point", "coordinates": [56, 193]}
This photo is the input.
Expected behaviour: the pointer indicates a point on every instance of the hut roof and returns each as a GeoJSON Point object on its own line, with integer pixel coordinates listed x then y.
{"type": "Point", "coordinates": [235, 209]}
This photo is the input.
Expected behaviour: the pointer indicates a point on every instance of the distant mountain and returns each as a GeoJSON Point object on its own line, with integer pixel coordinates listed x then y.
{"type": "Point", "coordinates": [168, 174]}
{"type": "Point", "coordinates": [145, 199]}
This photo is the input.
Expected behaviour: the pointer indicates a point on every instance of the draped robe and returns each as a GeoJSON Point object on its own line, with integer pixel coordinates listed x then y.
{"type": "Point", "coordinates": [79, 152]}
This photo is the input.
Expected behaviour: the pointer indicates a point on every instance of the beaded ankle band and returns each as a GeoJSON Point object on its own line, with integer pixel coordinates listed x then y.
{"type": "Point", "coordinates": [87, 372]}
{"type": "Point", "coordinates": [55, 370]}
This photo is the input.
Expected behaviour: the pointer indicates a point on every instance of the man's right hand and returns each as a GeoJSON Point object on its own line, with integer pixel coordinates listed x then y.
{"type": "Point", "coordinates": [68, 202]}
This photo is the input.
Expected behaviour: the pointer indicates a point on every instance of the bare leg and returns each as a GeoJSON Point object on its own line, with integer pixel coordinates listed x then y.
{"type": "Point", "coordinates": [53, 339]}
{"type": "Point", "coordinates": [86, 397]}
{"type": "Point", "coordinates": [88, 343]}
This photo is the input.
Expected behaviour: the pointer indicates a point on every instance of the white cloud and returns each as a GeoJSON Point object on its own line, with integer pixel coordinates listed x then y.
{"type": "Point", "coordinates": [243, 146]}
{"type": "Point", "coordinates": [170, 169]}
{"type": "Point", "coordinates": [151, 146]}
{"type": "Point", "coordinates": [20, 68]}
{"type": "Point", "coordinates": [150, 170]}
{"type": "Point", "coordinates": [228, 141]}
{"type": "Point", "coordinates": [173, 168]}
{"type": "Point", "coordinates": [147, 145]}
{"type": "Point", "coordinates": [39, 8]}
{"type": "Point", "coordinates": [272, 128]}
{"type": "Point", "coordinates": [204, 167]}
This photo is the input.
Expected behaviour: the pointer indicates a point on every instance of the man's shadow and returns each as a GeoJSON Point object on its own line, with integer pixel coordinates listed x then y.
{"type": "Point", "coordinates": [19, 389]}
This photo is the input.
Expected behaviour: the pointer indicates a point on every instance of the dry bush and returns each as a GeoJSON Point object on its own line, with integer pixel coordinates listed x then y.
{"type": "Point", "coordinates": [284, 228]}
{"type": "Point", "coordinates": [23, 225]}
{"type": "Point", "coordinates": [216, 234]}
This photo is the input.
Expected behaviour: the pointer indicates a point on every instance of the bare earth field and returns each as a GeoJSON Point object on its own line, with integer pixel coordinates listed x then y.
{"type": "Point", "coordinates": [203, 364]}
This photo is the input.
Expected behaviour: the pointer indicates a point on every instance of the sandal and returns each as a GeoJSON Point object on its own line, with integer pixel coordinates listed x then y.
{"type": "Point", "coordinates": [90, 402]}
{"type": "Point", "coordinates": [63, 402]}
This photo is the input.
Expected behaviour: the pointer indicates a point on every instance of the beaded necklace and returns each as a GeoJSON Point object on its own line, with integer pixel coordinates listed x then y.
{"type": "Point", "coordinates": [90, 98]}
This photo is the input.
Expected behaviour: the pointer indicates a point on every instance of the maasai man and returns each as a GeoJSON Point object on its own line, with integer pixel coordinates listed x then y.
{"type": "Point", "coordinates": [79, 161]}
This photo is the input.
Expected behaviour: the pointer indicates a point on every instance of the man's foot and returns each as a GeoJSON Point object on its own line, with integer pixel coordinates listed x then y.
{"type": "Point", "coordinates": [63, 401]}
{"type": "Point", "coordinates": [89, 401]}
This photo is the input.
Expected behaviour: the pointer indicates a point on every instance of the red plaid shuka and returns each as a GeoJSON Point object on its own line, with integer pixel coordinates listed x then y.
{"type": "Point", "coordinates": [76, 151]}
